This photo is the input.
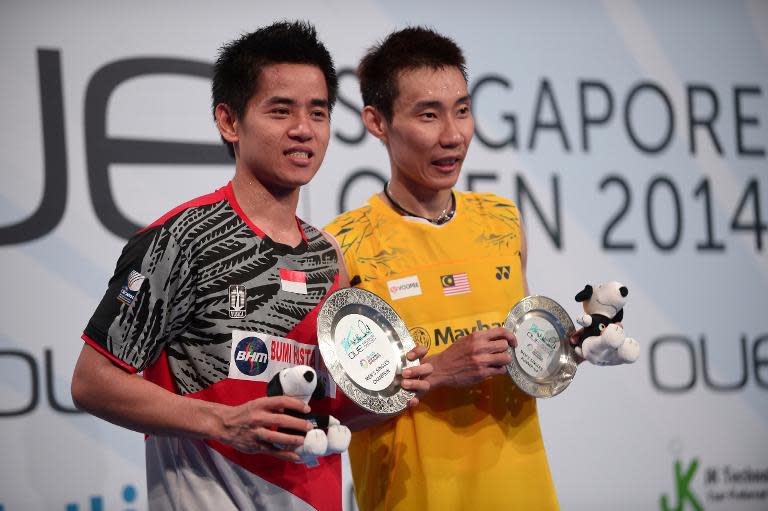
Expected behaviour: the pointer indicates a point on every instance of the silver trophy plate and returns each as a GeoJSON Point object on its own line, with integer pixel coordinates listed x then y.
{"type": "Point", "coordinates": [363, 343]}
{"type": "Point", "coordinates": [544, 361]}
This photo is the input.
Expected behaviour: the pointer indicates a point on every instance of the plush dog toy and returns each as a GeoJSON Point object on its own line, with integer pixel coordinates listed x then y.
{"type": "Point", "coordinates": [302, 383]}
{"type": "Point", "coordinates": [603, 341]}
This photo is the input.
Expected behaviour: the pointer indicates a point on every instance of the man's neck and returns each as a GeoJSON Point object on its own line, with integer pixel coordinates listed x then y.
{"type": "Point", "coordinates": [418, 200]}
{"type": "Point", "coordinates": [271, 210]}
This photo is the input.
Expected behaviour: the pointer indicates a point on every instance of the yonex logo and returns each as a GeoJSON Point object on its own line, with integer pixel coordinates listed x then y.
{"type": "Point", "coordinates": [251, 356]}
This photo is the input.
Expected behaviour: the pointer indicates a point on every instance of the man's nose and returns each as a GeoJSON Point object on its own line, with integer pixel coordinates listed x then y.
{"type": "Point", "coordinates": [301, 130]}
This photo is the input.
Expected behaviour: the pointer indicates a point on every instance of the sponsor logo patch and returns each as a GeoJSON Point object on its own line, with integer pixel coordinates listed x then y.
{"type": "Point", "coordinates": [237, 296]}
{"type": "Point", "coordinates": [257, 356]}
{"type": "Point", "coordinates": [455, 284]}
{"type": "Point", "coordinates": [404, 287]}
{"type": "Point", "coordinates": [131, 287]}
{"type": "Point", "coordinates": [421, 336]}
{"type": "Point", "coordinates": [251, 356]}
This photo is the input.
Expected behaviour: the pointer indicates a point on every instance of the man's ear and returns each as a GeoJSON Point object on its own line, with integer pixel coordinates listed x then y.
{"type": "Point", "coordinates": [274, 387]}
{"type": "Point", "coordinates": [584, 294]}
{"type": "Point", "coordinates": [375, 123]}
{"type": "Point", "coordinates": [227, 122]}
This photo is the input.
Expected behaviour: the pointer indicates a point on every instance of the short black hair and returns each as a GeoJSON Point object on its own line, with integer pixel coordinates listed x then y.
{"type": "Point", "coordinates": [406, 49]}
{"type": "Point", "coordinates": [239, 64]}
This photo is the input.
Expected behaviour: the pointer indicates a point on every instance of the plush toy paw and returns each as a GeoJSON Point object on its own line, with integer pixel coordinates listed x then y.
{"type": "Point", "coordinates": [315, 443]}
{"type": "Point", "coordinates": [584, 320]}
{"type": "Point", "coordinates": [338, 438]}
{"type": "Point", "coordinates": [609, 348]}
{"type": "Point", "coordinates": [629, 350]}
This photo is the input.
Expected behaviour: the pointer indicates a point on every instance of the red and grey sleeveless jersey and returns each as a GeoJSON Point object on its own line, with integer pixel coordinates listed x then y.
{"type": "Point", "coordinates": [209, 307]}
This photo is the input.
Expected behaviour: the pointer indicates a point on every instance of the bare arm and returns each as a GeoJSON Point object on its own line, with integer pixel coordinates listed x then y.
{"type": "Point", "coordinates": [107, 391]}
{"type": "Point", "coordinates": [574, 339]}
{"type": "Point", "coordinates": [343, 276]}
{"type": "Point", "coordinates": [524, 260]}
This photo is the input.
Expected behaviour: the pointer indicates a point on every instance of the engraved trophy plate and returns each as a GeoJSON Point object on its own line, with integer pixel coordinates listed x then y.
{"type": "Point", "coordinates": [544, 361]}
{"type": "Point", "coordinates": [363, 343]}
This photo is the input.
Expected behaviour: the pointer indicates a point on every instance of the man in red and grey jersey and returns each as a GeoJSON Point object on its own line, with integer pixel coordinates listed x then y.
{"type": "Point", "coordinates": [218, 295]}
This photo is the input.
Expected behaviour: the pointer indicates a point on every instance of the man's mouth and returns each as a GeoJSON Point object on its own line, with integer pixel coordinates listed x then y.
{"type": "Point", "coordinates": [304, 155]}
{"type": "Point", "coordinates": [446, 163]}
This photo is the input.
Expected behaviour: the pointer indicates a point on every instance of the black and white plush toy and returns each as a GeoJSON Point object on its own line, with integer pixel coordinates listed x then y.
{"type": "Point", "coordinates": [329, 435]}
{"type": "Point", "coordinates": [603, 341]}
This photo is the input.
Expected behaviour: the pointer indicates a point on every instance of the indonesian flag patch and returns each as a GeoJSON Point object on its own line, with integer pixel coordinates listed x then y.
{"type": "Point", "coordinates": [293, 281]}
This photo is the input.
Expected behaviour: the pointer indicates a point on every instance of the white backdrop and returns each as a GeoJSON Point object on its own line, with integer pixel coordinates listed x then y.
{"type": "Point", "coordinates": [632, 134]}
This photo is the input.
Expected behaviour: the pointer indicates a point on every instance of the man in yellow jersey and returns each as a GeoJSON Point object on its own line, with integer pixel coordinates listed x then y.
{"type": "Point", "coordinates": [451, 264]}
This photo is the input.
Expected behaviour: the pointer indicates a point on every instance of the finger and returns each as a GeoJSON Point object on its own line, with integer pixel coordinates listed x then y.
{"type": "Point", "coordinates": [280, 453]}
{"type": "Point", "coordinates": [419, 371]}
{"type": "Point", "coordinates": [417, 353]}
{"type": "Point", "coordinates": [494, 359]}
{"type": "Point", "coordinates": [498, 333]}
{"type": "Point", "coordinates": [494, 371]}
{"type": "Point", "coordinates": [275, 437]}
{"type": "Point", "coordinates": [413, 402]}
{"type": "Point", "coordinates": [282, 421]}
{"type": "Point", "coordinates": [280, 403]}
{"type": "Point", "coordinates": [418, 386]}
{"type": "Point", "coordinates": [495, 346]}
{"type": "Point", "coordinates": [288, 456]}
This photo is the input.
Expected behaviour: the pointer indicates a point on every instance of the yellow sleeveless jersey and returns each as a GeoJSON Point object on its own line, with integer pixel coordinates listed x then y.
{"type": "Point", "coordinates": [462, 448]}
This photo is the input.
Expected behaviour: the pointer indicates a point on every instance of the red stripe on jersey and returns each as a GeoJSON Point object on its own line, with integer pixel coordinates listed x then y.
{"type": "Point", "coordinates": [301, 229]}
{"type": "Point", "coordinates": [211, 198]}
{"type": "Point", "coordinates": [109, 355]}
{"type": "Point", "coordinates": [160, 374]}
{"type": "Point", "coordinates": [309, 484]}
{"type": "Point", "coordinates": [229, 193]}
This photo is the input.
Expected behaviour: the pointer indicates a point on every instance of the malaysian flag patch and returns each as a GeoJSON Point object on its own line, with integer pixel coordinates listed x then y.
{"type": "Point", "coordinates": [293, 281]}
{"type": "Point", "coordinates": [455, 284]}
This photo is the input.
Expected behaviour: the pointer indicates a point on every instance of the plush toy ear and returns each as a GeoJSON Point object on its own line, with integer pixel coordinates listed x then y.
{"type": "Point", "coordinates": [619, 316]}
{"type": "Point", "coordinates": [274, 387]}
{"type": "Point", "coordinates": [319, 392]}
{"type": "Point", "coordinates": [584, 294]}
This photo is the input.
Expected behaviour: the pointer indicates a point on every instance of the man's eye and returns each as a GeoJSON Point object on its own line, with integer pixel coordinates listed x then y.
{"type": "Point", "coordinates": [319, 114]}
{"type": "Point", "coordinates": [280, 111]}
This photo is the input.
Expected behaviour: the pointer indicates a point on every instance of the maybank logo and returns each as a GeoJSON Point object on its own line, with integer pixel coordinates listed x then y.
{"type": "Point", "coordinates": [251, 356]}
{"type": "Point", "coordinates": [405, 287]}
{"type": "Point", "coordinates": [450, 333]}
